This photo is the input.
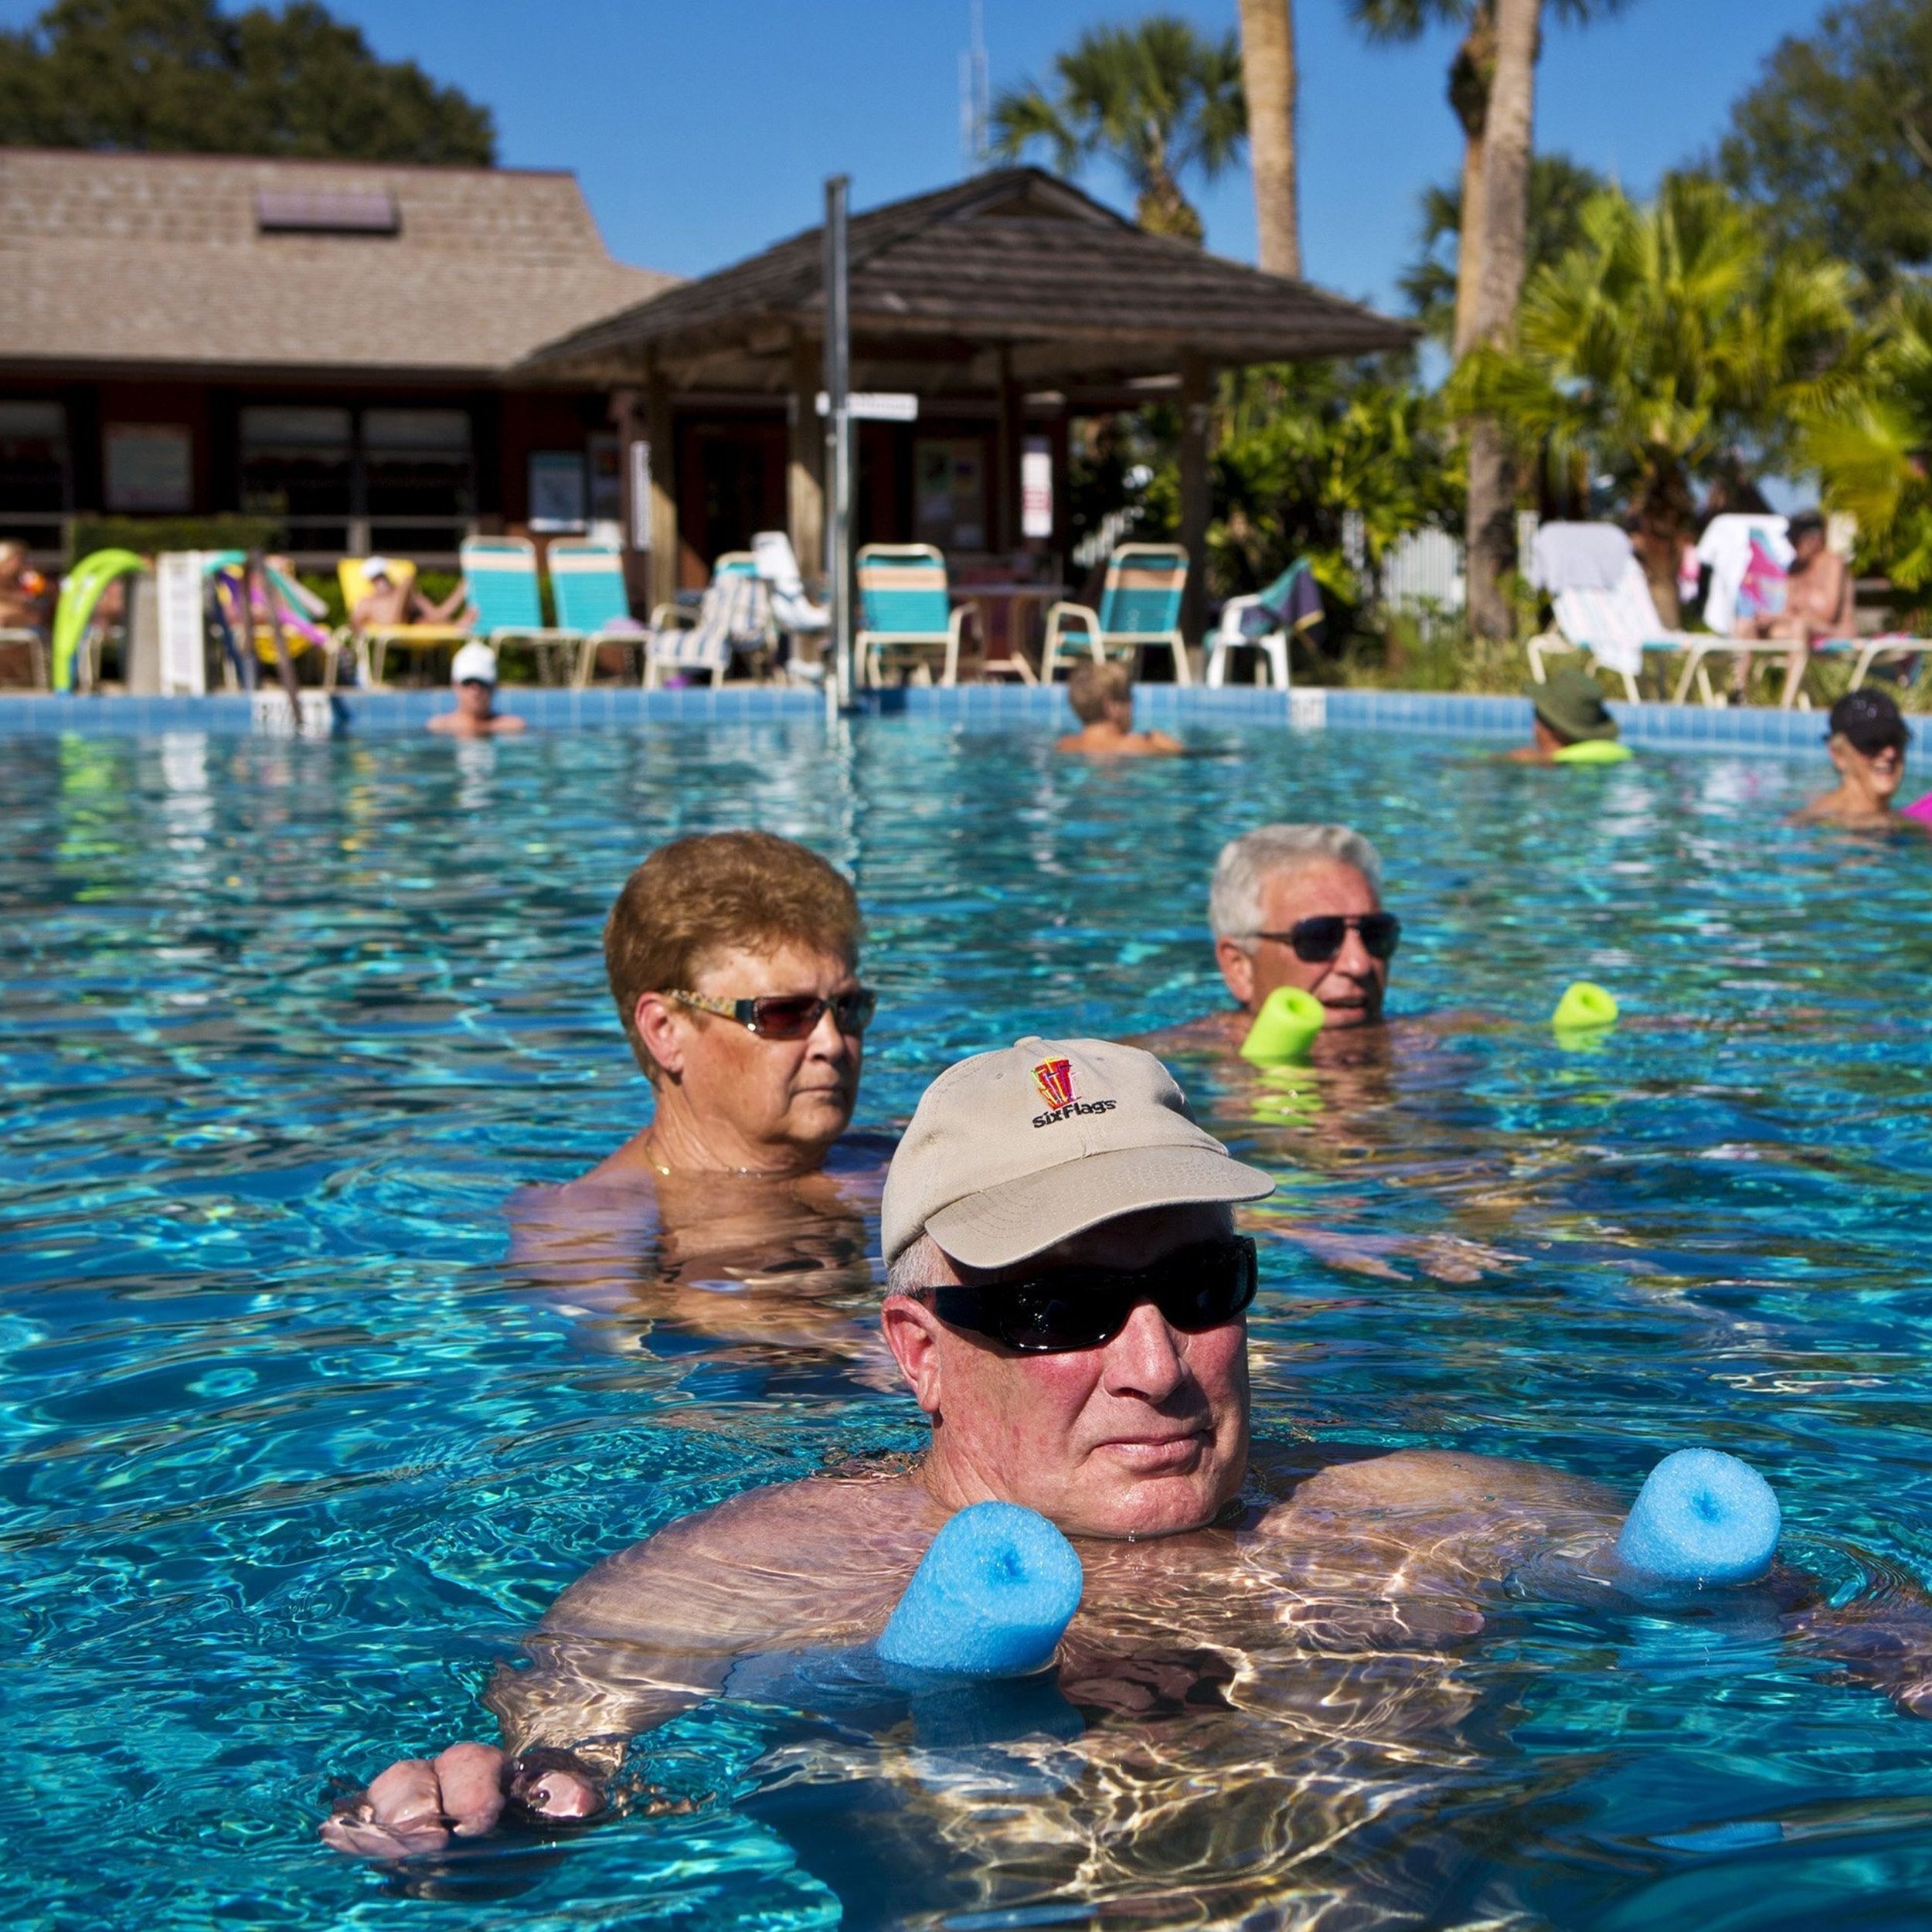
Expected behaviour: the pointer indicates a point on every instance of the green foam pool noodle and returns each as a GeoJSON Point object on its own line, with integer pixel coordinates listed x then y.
{"type": "Point", "coordinates": [1583, 1008]}
{"type": "Point", "coordinates": [1284, 1028]}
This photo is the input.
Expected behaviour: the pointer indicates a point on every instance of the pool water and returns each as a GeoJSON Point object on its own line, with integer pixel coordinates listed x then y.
{"type": "Point", "coordinates": [294, 1447]}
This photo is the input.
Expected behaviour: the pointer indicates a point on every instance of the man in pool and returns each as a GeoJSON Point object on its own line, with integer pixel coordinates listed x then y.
{"type": "Point", "coordinates": [1066, 1300]}
{"type": "Point", "coordinates": [732, 960]}
{"type": "Point", "coordinates": [1295, 905]}
{"type": "Point", "coordinates": [1569, 724]}
{"type": "Point", "coordinates": [1101, 697]}
{"type": "Point", "coordinates": [1866, 739]}
{"type": "Point", "coordinates": [473, 678]}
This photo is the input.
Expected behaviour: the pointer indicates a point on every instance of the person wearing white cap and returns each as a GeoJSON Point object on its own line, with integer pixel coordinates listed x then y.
{"type": "Point", "coordinates": [473, 677]}
{"type": "Point", "coordinates": [394, 598]}
{"type": "Point", "coordinates": [1067, 1298]}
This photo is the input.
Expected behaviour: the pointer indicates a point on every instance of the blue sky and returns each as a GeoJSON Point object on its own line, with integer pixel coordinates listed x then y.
{"type": "Point", "coordinates": [703, 129]}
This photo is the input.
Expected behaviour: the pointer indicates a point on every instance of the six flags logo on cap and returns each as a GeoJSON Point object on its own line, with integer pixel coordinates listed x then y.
{"type": "Point", "coordinates": [1055, 1080]}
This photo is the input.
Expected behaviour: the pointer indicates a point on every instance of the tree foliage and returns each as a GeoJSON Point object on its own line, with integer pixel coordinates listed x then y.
{"type": "Point", "coordinates": [1158, 99]}
{"type": "Point", "coordinates": [180, 75]}
{"type": "Point", "coordinates": [1835, 141]}
{"type": "Point", "coordinates": [1869, 442]}
{"type": "Point", "coordinates": [1558, 190]}
{"type": "Point", "coordinates": [1669, 334]}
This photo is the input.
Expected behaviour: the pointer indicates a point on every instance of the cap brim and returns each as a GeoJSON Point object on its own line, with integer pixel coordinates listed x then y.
{"type": "Point", "coordinates": [1024, 1217]}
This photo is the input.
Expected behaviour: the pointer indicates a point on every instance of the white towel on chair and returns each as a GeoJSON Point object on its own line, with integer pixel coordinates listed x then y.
{"type": "Point", "coordinates": [1578, 556]}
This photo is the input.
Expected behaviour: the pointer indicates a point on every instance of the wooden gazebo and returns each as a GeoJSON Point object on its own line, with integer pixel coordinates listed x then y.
{"type": "Point", "coordinates": [1006, 303]}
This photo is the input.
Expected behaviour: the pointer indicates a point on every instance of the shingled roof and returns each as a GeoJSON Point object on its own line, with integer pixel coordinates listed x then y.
{"type": "Point", "coordinates": [181, 263]}
{"type": "Point", "coordinates": [1012, 261]}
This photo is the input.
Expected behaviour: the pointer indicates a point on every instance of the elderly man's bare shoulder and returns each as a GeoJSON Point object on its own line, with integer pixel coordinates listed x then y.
{"type": "Point", "coordinates": [1431, 1481]}
{"type": "Point", "coordinates": [813, 1561]}
{"type": "Point", "coordinates": [1213, 1033]}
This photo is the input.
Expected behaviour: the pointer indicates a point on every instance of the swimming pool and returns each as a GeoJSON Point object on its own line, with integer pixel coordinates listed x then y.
{"type": "Point", "coordinates": [293, 1452]}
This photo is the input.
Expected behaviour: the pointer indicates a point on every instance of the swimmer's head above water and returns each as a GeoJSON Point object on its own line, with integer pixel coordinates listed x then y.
{"type": "Point", "coordinates": [733, 961]}
{"type": "Point", "coordinates": [1066, 1293]}
{"type": "Point", "coordinates": [1301, 906]}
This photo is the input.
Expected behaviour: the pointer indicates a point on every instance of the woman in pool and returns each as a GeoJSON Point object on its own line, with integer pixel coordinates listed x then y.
{"type": "Point", "coordinates": [733, 959]}
{"type": "Point", "coordinates": [1866, 739]}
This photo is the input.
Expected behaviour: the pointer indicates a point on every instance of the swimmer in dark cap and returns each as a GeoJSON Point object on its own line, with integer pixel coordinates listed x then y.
{"type": "Point", "coordinates": [1867, 740]}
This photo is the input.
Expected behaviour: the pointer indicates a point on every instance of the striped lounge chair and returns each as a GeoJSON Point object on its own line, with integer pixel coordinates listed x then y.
{"type": "Point", "coordinates": [734, 616]}
{"type": "Point", "coordinates": [906, 611]}
{"type": "Point", "coordinates": [1614, 628]}
{"type": "Point", "coordinates": [1140, 610]}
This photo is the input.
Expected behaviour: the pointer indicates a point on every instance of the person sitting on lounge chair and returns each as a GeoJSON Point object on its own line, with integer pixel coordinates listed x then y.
{"type": "Point", "coordinates": [26, 599]}
{"type": "Point", "coordinates": [1866, 739]}
{"type": "Point", "coordinates": [1102, 696]}
{"type": "Point", "coordinates": [390, 603]}
{"type": "Point", "coordinates": [1572, 725]}
{"type": "Point", "coordinates": [1818, 592]}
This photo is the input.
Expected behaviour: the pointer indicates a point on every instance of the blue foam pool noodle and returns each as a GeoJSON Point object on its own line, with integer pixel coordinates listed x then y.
{"type": "Point", "coordinates": [1702, 1517]}
{"type": "Point", "coordinates": [989, 1599]}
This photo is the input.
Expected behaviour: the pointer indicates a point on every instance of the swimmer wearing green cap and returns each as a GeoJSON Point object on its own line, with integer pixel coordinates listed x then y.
{"type": "Point", "coordinates": [1572, 725]}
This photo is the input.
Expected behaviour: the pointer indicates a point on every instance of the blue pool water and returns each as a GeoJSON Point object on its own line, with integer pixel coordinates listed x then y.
{"type": "Point", "coordinates": [293, 1451]}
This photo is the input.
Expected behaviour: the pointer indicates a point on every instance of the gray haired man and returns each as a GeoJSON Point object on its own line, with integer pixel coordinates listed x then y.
{"type": "Point", "coordinates": [1295, 905]}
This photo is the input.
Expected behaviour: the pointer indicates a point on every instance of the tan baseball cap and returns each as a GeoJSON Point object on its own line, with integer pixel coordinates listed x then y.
{"type": "Point", "coordinates": [1011, 1151]}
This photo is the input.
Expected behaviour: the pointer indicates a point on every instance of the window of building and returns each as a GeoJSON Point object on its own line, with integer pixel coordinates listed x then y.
{"type": "Point", "coordinates": [360, 480]}
{"type": "Point", "coordinates": [298, 465]}
{"type": "Point", "coordinates": [36, 480]}
{"type": "Point", "coordinates": [418, 481]}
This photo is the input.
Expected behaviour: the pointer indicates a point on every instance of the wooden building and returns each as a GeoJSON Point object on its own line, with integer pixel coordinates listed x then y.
{"type": "Point", "coordinates": [327, 343]}
{"type": "Point", "coordinates": [1009, 304]}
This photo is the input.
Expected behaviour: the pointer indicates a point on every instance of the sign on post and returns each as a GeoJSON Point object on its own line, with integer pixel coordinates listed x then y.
{"type": "Point", "coordinates": [875, 406]}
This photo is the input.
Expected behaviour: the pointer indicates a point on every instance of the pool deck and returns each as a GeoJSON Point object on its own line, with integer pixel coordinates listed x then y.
{"type": "Point", "coordinates": [1309, 708]}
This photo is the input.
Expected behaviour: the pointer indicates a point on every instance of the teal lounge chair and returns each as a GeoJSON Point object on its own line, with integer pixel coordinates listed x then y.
{"type": "Point", "coordinates": [906, 611]}
{"type": "Point", "coordinates": [501, 573]}
{"type": "Point", "coordinates": [593, 600]}
{"type": "Point", "coordinates": [1140, 610]}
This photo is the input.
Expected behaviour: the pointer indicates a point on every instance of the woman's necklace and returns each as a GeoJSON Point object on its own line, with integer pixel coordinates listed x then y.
{"type": "Point", "coordinates": [744, 1173]}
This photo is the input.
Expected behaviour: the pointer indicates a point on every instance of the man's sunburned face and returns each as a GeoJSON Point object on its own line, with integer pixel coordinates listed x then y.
{"type": "Point", "coordinates": [1349, 986]}
{"type": "Point", "coordinates": [797, 1093]}
{"type": "Point", "coordinates": [475, 699]}
{"type": "Point", "coordinates": [1145, 1436]}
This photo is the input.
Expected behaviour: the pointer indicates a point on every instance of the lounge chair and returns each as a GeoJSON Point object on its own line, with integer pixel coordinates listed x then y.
{"type": "Point", "coordinates": [905, 609]}
{"type": "Point", "coordinates": [501, 572]}
{"type": "Point", "coordinates": [1262, 622]}
{"type": "Point", "coordinates": [1140, 610]}
{"type": "Point", "coordinates": [734, 616]}
{"type": "Point", "coordinates": [1615, 628]}
{"type": "Point", "coordinates": [36, 646]}
{"type": "Point", "coordinates": [593, 600]}
{"type": "Point", "coordinates": [372, 645]}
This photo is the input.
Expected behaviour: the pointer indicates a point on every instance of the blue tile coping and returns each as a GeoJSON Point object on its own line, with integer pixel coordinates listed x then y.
{"type": "Point", "coordinates": [1308, 708]}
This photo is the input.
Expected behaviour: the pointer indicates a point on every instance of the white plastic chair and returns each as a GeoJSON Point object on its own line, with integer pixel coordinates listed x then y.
{"type": "Point", "coordinates": [1227, 637]}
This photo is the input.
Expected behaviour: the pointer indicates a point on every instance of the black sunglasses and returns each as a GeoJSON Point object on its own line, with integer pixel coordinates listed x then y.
{"type": "Point", "coordinates": [1323, 936]}
{"type": "Point", "coordinates": [789, 1015]}
{"type": "Point", "coordinates": [1196, 1288]}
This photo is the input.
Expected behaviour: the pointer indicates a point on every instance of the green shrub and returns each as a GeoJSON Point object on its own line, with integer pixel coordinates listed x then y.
{"type": "Point", "coordinates": [149, 534]}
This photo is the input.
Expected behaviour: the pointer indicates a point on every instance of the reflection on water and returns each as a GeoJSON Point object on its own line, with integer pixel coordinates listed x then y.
{"type": "Point", "coordinates": [301, 1434]}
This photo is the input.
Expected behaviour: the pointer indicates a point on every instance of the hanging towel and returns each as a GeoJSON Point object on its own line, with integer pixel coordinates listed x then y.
{"type": "Point", "coordinates": [1291, 602]}
{"type": "Point", "coordinates": [1739, 547]}
{"type": "Point", "coordinates": [1578, 556]}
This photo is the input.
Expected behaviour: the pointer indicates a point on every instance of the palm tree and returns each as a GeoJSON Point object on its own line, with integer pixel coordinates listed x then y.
{"type": "Point", "coordinates": [1667, 336]}
{"type": "Point", "coordinates": [1559, 189]}
{"type": "Point", "coordinates": [1471, 75]}
{"type": "Point", "coordinates": [1869, 443]}
{"type": "Point", "coordinates": [1268, 81]}
{"type": "Point", "coordinates": [1156, 99]}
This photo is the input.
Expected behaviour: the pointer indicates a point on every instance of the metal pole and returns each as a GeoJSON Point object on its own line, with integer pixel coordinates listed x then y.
{"type": "Point", "coordinates": [838, 686]}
